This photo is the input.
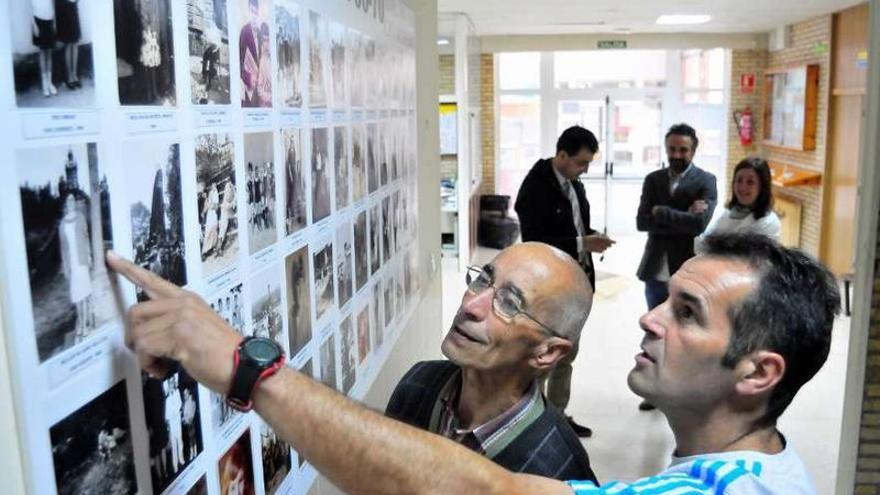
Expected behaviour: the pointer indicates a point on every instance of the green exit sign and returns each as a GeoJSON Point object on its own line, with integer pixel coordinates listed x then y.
{"type": "Point", "coordinates": [611, 44]}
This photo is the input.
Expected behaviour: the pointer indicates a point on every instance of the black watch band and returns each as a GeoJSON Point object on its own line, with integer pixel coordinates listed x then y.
{"type": "Point", "coordinates": [255, 359]}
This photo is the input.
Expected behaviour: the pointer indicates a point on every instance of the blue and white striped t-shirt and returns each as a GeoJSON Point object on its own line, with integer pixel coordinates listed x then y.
{"type": "Point", "coordinates": [729, 473]}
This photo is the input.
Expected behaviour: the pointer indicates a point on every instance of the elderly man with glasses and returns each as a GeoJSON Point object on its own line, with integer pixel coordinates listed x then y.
{"type": "Point", "coordinates": [520, 315]}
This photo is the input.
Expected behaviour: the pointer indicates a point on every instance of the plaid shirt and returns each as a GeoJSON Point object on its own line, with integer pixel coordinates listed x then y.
{"type": "Point", "coordinates": [495, 432]}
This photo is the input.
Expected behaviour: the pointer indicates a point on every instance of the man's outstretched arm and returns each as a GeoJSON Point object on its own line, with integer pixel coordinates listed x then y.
{"type": "Point", "coordinates": [357, 449]}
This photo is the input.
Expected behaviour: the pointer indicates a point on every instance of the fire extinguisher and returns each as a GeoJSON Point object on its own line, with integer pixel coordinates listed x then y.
{"type": "Point", "coordinates": [743, 121]}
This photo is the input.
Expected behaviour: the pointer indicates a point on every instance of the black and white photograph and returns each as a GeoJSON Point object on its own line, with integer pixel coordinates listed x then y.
{"type": "Point", "coordinates": [372, 157]}
{"type": "Point", "coordinates": [229, 304]}
{"type": "Point", "coordinates": [341, 141]}
{"type": "Point", "coordinates": [400, 295]}
{"type": "Point", "coordinates": [320, 175]}
{"type": "Point", "coordinates": [363, 333]}
{"type": "Point", "coordinates": [372, 71]}
{"type": "Point", "coordinates": [376, 320]}
{"type": "Point", "coordinates": [221, 412]}
{"type": "Point", "coordinates": [154, 193]}
{"type": "Point", "coordinates": [375, 245]}
{"type": "Point", "coordinates": [65, 206]}
{"type": "Point", "coordinates": [344, 250]}
{"type": "Point", "coordinates": [52, 58]}
{"type": "Point", "coordinates": [255, 53]}
{"type": "Point", "coordinates": [386, 229]}
{"type": "Point", "coordinates": [328, 362]}
{"type": "Point", "coordinates": [325, 291]}
{"type": "Point", "coordinates": [260, 182]}
{"type": "Point", "coordinates": [171, 411]}
{"type": "Point", "coordinates": [92, 449]}
{"type": "Point", "coordinates": [215, 183]}
{"type": "Point", "coordinates": [208, 51]}
{"type": "Point", "coordinates": [358, 162]}
{"type": "Point", "coordinates": [357, 65]}
{"type": "Point", "coordinates": [317, 60]}
{"type": "Point", "coordinates": [287, 25]}
{"type": "Point", "coordinates": [266, 318]}
{"type": "Point", "coordinates": [383, 145]}
{"type": "Point", "coordinates": [276, 459]}
{"type": "Point", "coordinates": [297, 275]}
{"type": "Point", "coordinates": [337, 63]}
{"type": "Point", "coordinates": [295, 192]}
{"type": "Point", "coordinates": [236, 468]}
{"type": "Point", "coordinates": [348, 355]}
{"type": "Point", "coordinates": [361, 255]}
{"type": "Point", "coordinates": [389, 297]}
{"type": "Point", "coordinates": [200, 487]}
{"type": "Point", "coordinates": [144, 52]}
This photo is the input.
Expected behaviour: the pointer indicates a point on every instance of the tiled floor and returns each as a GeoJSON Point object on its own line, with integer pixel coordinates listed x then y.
{"type": "Point", "coordinates": [628, 444]}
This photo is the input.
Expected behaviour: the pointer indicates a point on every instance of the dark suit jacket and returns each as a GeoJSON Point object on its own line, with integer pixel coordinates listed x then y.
{"type": "Point", "coordinates": [545, 215]}
{"type": "Point", "coordinates": [673, 229]}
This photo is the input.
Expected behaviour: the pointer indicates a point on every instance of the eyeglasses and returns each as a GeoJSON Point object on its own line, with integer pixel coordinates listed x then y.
{"type": "Point", "coordinates": [504, 301]}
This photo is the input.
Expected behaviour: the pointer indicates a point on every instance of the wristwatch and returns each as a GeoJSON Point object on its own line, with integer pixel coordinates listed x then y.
{"type": "Point", "coordinates": [255, 359]}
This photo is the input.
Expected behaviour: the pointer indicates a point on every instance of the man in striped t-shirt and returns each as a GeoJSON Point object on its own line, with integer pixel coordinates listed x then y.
{"type": "Point", "coordinates": [746, 324]}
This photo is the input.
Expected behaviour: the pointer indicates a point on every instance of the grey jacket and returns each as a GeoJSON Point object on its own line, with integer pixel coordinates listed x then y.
{"type": "Point", "coordinates": [673, 229]}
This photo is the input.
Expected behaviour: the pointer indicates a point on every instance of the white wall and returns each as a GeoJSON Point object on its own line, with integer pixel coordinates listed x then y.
{"type": "Point", "coordinates": [421, 337]}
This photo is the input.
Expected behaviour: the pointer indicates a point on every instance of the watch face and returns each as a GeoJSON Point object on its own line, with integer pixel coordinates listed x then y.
{"type": "Point", "coordinates": [261, 350]}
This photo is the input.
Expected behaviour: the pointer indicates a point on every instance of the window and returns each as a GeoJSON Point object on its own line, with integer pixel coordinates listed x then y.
{"type": "Point", "coordinates": [702, 75]}
{"type": "Point", "coordinates": [609, 69]}
{"type": "Point", "coordinates": [519, 70]}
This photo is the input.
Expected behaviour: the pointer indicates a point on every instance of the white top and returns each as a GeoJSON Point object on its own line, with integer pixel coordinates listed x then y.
{"type": "Point", "coordinates": [568, 189]}
{"type": "Point", "coordinates": [728, 473]}
{"type": "Point", "coordinates": [729, 222]}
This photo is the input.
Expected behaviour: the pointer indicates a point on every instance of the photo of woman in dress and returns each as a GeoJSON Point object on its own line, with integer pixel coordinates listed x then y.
{"type": "Point", "coordinates": [144, 52]}
{"type": "Point", "coordinates": [65, 204]}
{"type": "Point", "coordinates": [215, 180]}
{"type": "Point", "coordinates": [50, 39]}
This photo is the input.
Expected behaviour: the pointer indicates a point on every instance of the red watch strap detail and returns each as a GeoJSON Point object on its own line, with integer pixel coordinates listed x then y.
{"type": "Point", "coordinates": [240, 405]}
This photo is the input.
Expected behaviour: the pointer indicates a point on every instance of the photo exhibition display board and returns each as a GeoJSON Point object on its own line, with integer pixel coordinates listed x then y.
{"type": "Point", "coordinates": [260, 153]}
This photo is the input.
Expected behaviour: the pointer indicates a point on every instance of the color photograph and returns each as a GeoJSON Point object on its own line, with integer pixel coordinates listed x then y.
{"type": "Point", "coordinates": [144, 52]}
{"type": "Point", "coordinates": [236, 468]}
{"type": "Point", "coordinates": [65, 206]}
{"type": "Point", "coordinates": [255, 53]}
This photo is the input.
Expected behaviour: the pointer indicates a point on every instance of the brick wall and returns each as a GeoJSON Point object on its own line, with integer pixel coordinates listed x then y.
{"type": "Point", "coordinates": [447, 74]}
{"type": "Point", "coordinates": [744, 62]}
{"type": "Point", "coordinates": [487, 121]}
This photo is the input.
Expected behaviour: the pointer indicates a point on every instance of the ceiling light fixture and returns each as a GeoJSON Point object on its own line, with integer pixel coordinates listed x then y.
{"type": "Point", "coordinates": [679, 19]}
{"type": "Point", "coordinates": [442, 41]}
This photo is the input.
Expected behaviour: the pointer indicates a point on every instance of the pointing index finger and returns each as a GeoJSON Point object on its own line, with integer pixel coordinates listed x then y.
{"type": "Point", "coordinates": [155, 286]}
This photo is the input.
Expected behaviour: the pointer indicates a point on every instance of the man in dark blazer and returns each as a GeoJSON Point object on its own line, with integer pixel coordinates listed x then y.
{"type": "Point", "coordinates": [553, 209]}
{"type": "Point", "coordinates": [676, 205]}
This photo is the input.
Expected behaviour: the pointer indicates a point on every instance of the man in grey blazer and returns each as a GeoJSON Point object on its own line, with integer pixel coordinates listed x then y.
{"type": "Point", "coordinates": [676, 206]}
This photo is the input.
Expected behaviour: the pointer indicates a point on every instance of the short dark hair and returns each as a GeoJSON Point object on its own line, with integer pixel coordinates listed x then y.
{"type": "Point", "coordinates": [576, 138]}
{"type": "Point", "coordinates": [791, 312]}
{"type": "Point", "coordinates": [764, 200]}
{"type": "Point", "coordinates": [683, 130]}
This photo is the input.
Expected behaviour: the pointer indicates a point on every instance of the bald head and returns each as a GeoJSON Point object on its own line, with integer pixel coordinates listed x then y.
{"type": "Point", "coordinates": [560, 291]}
